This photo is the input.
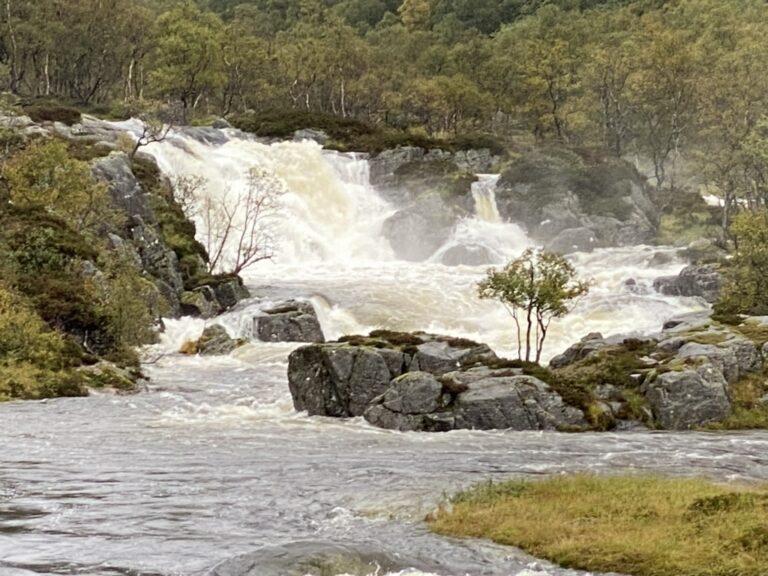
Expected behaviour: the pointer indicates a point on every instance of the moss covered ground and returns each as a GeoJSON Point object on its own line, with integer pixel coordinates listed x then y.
{"type": "Point", "coordinates": [641, 526]}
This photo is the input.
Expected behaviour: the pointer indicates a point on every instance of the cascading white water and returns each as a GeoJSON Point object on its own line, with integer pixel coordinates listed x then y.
{"type": "Point", "coordinates": [330, 249]}
{"type": "Point", "coordinates": [328, 211]}
{"type": "Point", "coordinates": [213, 463]}
{"type": "Point", "coordinates": [484, 195]}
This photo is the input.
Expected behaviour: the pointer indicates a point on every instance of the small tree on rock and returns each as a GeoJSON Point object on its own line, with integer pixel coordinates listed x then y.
{"type": "Point", "coordinates": [534, 288]}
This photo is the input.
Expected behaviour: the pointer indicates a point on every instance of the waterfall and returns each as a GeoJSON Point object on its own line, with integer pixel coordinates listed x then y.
{"type": "Point", "coordinates": [484, 194]}
{"type": "Point", "coordinates": [327, 210]}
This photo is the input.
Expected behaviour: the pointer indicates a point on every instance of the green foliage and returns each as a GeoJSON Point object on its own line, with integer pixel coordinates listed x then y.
{"type": "Point", "coordinates": [535, 288]}
{"type": "Point", "coordinates": [188, 59]}
{"type": "Point", "coordinates": [45, 176]}
{"type": "Point", "coordinates": [746, 289]}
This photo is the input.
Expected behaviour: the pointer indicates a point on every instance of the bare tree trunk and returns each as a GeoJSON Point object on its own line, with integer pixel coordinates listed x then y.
{"type": "Point", "coordinates": [129, 81]}
{"type": "Point", "coordinates": [46, 71]}
{"type": "Point", "coordinates": [14, 79]}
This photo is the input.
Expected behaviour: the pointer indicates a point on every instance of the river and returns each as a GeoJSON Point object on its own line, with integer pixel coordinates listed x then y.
{"type": "Point", "coordinates": [211, 463]}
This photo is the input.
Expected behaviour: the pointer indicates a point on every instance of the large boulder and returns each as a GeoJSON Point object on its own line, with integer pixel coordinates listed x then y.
{"type": "Point", "coordinates": [478, 398]}
{"type": "Point", "coordinates": [124, 188]}
{"type": "Point", "coordinates": [339, 380]}
{"type": "Point", "coordinates": [703, 281]}
{"type": "Point", "coordinates": [342, 378]}
{"type": "Point", "coordinates": [573, 240]}
{"type": "Point", "coordinates": [467, 255]}
{"type": "Point", "coordinates": [684, 399]}
{"type": "Point", "coordinates": [291, 321]}
{"type": "Point", "coordinates": [556, 189]}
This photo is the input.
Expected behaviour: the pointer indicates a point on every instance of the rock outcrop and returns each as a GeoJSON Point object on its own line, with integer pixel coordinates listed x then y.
{"type": "Point", "coordinates": [422, 382]}
{"type": "Point", "coordinates": [478, 398]}
{"type": "Point", "coordinates": [703, 281]}
{"type": "Point", "coordinates": [576, 200]}
{"type": "Point", "coordinates": [681, 378]}
{"type": "Point", "coordinates": [291, 321]}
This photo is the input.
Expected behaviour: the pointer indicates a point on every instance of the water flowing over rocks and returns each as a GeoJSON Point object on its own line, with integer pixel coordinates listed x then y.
{"type": "Point", "coordinates": [215, 341]}
{"type": "Point", "coordinates": [290, 321]}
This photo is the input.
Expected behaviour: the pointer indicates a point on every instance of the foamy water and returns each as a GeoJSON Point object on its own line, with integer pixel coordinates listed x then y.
{"type": "Point", "coordinates": [213, 462]}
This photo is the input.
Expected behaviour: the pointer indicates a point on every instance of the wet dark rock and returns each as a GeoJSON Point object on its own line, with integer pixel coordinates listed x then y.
{"type": "Point", "coordinates": [200, 302]}
{"type": "Point", "coordinates": [490, 399]}
{"type": "Point", "coordinates": [291, 321]}
{"type": "Point", "coordinates": [342, 378]}
{"type": "Point", "coordinates": [215, 341]}
{"type": "Point", "coordinates": [704, 281]}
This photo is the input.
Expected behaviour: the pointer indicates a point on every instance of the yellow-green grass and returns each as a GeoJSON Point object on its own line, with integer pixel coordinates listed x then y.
{"type": "Point", "coordinates": [643, 526]}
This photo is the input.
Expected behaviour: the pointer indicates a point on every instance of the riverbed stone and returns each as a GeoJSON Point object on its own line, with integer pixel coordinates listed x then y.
{"type": "Point", "coordinates": [216, 341]}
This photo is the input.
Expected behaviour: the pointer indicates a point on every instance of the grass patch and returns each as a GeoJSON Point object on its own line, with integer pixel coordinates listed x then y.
{"type": "Point", "coordinates": [755, 331]}
{"type": "Point", "coordinates": [643, 526]}
{"type": "Point", "coordinates": [749, 411]}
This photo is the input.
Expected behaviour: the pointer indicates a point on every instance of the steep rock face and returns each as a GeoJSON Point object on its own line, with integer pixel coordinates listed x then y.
{"type": "Point", "coordinates": [342, 378]}
{"type": "Point", "coordinates": [163, 240]}
{"type": "Point", "coordinates": [554, 190]}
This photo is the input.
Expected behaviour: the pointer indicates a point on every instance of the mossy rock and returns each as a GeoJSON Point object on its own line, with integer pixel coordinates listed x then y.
{"type": "Point", "coordinates": [108, 376]}
{"type": "Point", "coordinates": [45, 112]}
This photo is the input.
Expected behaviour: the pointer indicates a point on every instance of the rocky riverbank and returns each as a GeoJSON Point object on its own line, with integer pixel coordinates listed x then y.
{"type": "Point", "coordinates": [695, 372]}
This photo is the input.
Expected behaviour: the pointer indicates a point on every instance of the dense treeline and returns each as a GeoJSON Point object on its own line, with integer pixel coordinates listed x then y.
{"type": "Point", "coordinates": [675, 82]}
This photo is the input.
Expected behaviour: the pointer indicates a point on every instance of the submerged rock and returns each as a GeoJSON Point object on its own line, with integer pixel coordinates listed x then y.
{"type": "Point", "coordinates": [319, 559]}
{"type": "Point", "coordinates": [573, 240]}
{"type": "Point", "coordinates": [215, 341]}
{"type": "Point", "coordinates": [291, 321]}
{"type": "Point", "coordinates": [467, 255]}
